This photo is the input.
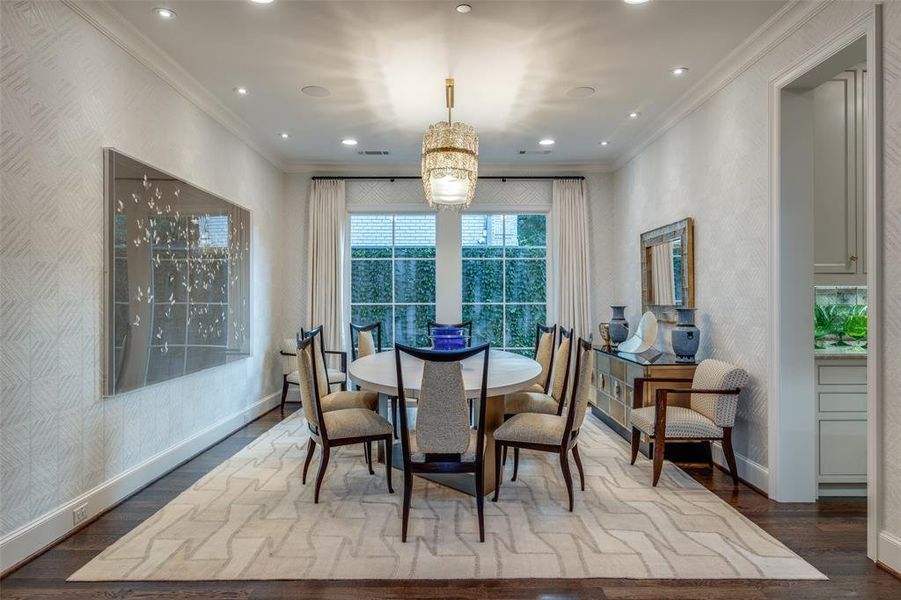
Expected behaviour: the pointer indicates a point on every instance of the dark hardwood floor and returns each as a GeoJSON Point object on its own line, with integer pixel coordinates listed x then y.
{"type": "Point", "coordinates": [830, 534]}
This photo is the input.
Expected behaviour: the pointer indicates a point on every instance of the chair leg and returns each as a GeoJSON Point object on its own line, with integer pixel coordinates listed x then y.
{"type": "Point", "coordinates": [515, 463]}
{"type": "Point", "coordinates": [367, 450]}
{"type": "Point", "coordinates": [388, 463]}
{"type": "Point", "coordinates": [730, 453]}
{"type": "Point", "coordinates": [284, 391]}
{"type": "Point", "coordinates": [505, 456]}
{"type": "Point", "coordinates": [480, 500]}
{"type": "Point", "coordinates": [636, 442]}
{"type": "Point", "coordinates": [321, 475]}
{"type": "Point", "coordinates": [710, 454]}
{"type": "Point", "coordinates": [498, 472]}
{"type": "Point", "coordinates": [578, 460]}
{"type": "Point", "coordinates": [659, 447]}
{"type": "Point", "coordinates": [567, 476]}
{"type": "Point", "coordinates": [408, 491]}
{"type": "Point", "coordinates": [311, 448]}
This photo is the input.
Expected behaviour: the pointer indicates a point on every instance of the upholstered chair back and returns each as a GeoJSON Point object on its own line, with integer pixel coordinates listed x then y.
{"type": "Point", "coordinates": [544, 354]}
{"type": "Point", "coordinates": [582, 384]}
{"type": "Point", "coordinates": [305, 376]}
{"type": "Point", "coordinates": [718, 375]}
{"type": "Point", "coordinates": [319, 361]}
{"type": "Point", "coordinates": [365, 344]}
{"type": "Point", "coordinates": [442, 416]}
{"type": "Point", "coordinates": [289, 363]}
{"type": "Point", "coordinates": [561, 367]}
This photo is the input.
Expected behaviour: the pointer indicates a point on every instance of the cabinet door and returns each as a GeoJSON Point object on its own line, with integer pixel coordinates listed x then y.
{"type": "Point", "coordinates": [843, 448]}
{"type": "Point", "coordinates": [834, 176]}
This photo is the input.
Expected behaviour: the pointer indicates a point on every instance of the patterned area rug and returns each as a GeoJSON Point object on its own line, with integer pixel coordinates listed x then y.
{"type": "Point", "coordinates": [250, 518]}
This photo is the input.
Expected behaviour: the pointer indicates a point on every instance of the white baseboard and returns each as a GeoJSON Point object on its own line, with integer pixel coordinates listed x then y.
{"type": "Point", "coordinates": [748, 471]}
{"type": "Point", "coordinates": [49, 528]}
{"type": "Point", "coordinates": [888, 551]}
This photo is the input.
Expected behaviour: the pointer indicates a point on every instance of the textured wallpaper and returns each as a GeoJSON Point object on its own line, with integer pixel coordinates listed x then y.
{"type": "Point", "coordinates": [714, 166]}
{"type": "Point", "coordinates": [891, 415]}
{"type": "Point", "coordinates": [68, 91]}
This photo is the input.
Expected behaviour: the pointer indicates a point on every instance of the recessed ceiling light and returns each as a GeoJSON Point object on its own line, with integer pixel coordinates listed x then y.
{"type": "Point", "coordinates": [634, 114]}
{"type": "Point", "coordinates": [581, 92]}
{"type": "Point", "coordinates": [464, 8]}
{"type": "Point", "coordinates": [636, 1]}
{"type": "Point", "coordinates": [349, 142]}
{"type": "Point", "coordinates": [605, 143]}
{"type": "Point", "coordinates": [679, 71]}
{"type": "Point", "coordinates": [164, 13]}
{"type": "Point", "coordinates": [284, 135]}
{"type": "Point", "coordinates": [317, 91]}
{"type": "Point", "coordinates": [241, 90]}
{"type": "Point", "coordinates": [547, 142]}
{"type": "Point", "coordinates": [262, 1]}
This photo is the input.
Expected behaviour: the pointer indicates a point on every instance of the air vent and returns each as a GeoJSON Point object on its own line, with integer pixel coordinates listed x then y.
{"type": "Point", "coordinates": [536, 152]}
{"type": "Point", "coordinates": [373, 152]}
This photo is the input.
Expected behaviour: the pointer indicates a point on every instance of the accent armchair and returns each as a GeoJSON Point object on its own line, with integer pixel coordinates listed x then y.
{"type": "Point", "coordinates": [709, 417]}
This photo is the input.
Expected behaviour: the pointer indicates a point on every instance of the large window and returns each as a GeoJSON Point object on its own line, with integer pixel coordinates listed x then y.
{"type": "Point", "coordinates": [393, 275]}
{"type": "Point", "coordinates": [505, 278]}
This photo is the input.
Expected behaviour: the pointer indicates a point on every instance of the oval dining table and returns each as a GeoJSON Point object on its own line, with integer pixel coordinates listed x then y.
{"type": "Point", "coordinates": [507, 373]}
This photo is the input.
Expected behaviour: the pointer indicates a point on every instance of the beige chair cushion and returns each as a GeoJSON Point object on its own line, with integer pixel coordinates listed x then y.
{"type": "Point", "coordinates": [536, 387]}
{"type": "Point", "coordinates": [529, 402]}
{"type": "Point", "coordinates": [293, 377]}
{"type": "Point", "coordinates": [336, 376]}
{"type": "Point", "coordinates": [365, 344]}
{"type": "Point", "coordinates": [289, 364]}
{"type": "Point", "coordinates": [561, 368]}
{"type": "Point", "coordinates": [342, 400]}
{"type": "Point", "coordinates": [718, 375]}
{"type": "Point", "coordinates": [355, 422]}
{"type": "Point", "coordinates": [416, 455]}
{"type": "Point", "coordinates": [544, 354]}
{"type": "Point", "coordinates": [532, 428]}
{"type": "Point", "coordinates": [681, 422]}
{"type": "Point", "coordinates": [442, 416]}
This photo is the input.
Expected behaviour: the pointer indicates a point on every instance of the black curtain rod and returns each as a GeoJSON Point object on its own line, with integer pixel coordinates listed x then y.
{"type": "Point", "coordinates": [495, 177]}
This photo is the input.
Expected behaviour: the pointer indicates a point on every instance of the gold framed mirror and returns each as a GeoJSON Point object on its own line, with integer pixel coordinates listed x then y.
{"type": "Point", "coordinates": [667, 269]}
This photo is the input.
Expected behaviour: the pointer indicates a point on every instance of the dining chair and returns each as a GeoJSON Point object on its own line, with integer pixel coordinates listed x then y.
{"type": "Point", "coordinates": [551, 433]}
{"type": "Point", "coordinates": [287, 352]}
{"type": "Point", "coordinates": [443, 441]}
{"type": "Point", "coordinates": [709, 417]}
{"type": "Point", "coordinates": [335, 376]}
{"type": "Point", "coordinates": [545, 337]}
{"type": "Point", "coordinates": [332, 426]}
{"type": "Point", "coordinates": [540, 402]}
{"type": "Point", "coordinates": [365, 339]}
{"type": "Point", "coordinates": [467, 325]}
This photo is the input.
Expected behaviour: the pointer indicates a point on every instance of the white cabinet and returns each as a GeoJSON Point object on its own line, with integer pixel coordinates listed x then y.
{"type": "Point", "coordinates": [838, 185]}
{"type": "Point", "coordinates": [841, 388]}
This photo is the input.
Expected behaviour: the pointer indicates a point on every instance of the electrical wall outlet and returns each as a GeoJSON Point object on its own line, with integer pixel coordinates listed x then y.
{"type": "Point", "coordinates": [79, 513]}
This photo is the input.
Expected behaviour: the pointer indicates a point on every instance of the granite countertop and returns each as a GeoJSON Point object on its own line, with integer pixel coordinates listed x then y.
{"type": "Point", "coordinates": [840, 352]}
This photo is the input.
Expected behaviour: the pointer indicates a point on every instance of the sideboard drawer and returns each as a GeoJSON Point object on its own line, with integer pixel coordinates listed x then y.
{"type": "Point", "coordinates": [618, 369]}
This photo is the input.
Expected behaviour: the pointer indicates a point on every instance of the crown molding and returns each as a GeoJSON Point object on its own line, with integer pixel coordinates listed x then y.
{"type": "Point", "coordinates": [786, 21]}
{"type": "Point", "coordinates": [411, 168]}
{"type": "Point", "coordinates": [105, 19]}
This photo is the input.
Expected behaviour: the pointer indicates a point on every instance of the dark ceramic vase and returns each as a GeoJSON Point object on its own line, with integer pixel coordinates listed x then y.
{"type": "Point", "coordinates": [686, 337]}
{"type": "Point", "coordinates": [619, 326]}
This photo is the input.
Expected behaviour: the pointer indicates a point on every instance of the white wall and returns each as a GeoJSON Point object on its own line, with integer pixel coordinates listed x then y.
{"type": "Point", "coordinates": [713, 166]}
{"type": "Point", "coordinates": [67, 92]}
{"type": "Point", "coordinates": [890, 542]}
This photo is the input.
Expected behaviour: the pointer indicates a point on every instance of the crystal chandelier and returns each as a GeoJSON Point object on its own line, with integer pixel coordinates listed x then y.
{"type": "Point", "coordinates": [450, 160]}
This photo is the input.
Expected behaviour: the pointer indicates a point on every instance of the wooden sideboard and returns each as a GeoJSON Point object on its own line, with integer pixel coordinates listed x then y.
{"type": "Point", "coordinates": [614, 383]}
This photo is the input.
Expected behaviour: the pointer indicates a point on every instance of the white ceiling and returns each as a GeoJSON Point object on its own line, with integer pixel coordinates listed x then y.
{"type": "Point", "coordinates": [385, 64]}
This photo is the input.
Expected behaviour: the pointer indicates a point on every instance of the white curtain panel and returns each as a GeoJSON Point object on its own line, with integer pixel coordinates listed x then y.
{"type": "Point", "coordinates": [662, 282]}
{"type": "Point", "coordinates": [571, 266]}
{"type": "Point", "coordinates": [325, 290]}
